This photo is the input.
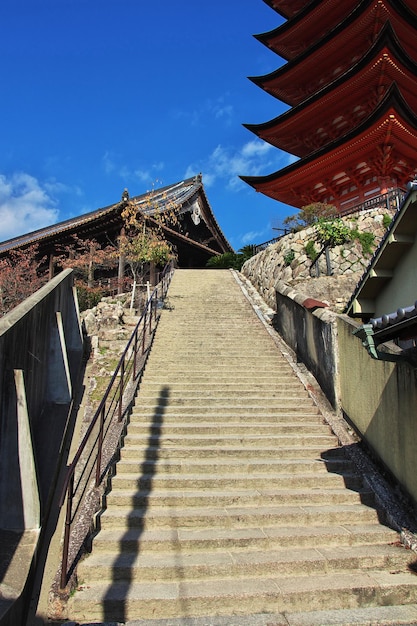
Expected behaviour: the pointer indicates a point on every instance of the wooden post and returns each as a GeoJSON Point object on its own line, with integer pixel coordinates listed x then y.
{"type": "Point", "coordinates": [122, 264]}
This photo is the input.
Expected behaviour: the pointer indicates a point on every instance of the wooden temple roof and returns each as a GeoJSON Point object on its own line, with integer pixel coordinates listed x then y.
{"type": "Point", "coordinates": [287, 8]}
{"type": "Point", "coordinates": [319, 17]}
{"type": "Point", "coordinates": [195, 234]}
{"type": "Point", "coordinates": [333, 55]}
{"type": "Point", "coordinates": [344, 103]}
{"type": "Point", "coordinates": [306, 27]}
{"type": "Point", "coordinates": [383, 145]}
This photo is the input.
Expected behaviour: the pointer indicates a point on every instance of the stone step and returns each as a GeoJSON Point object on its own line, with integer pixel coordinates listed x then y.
{"type": "Point", "coordinates": [241, 564]}
{"type": "Point", "coordinates": [177, 380]}
{"type": "Point", "coordinates": [221, 452]}
{"type": "Point", "coordinates": [187, 480]}
{"type": "Point", "coordinates": [254, 413]}
{"type": "Point", "coordinates": [222, 396]}
{"type": "Point", "coordinates": [318, 468]}
{"type": "Point", "coordinates": [272, 400]}
{"type": "Point", "coordinates": [325, 494]}
{"type": "Point", "coordinates": [206, 386]}
{"type": "Point", "coordinates": [256, 594]}
{"type": "Point", "coordinates": [252, 539]}
{"type": "Point", "coordinates": [227, 428]}
{"type": "Point", "coordinates": [250, 440]}
{"type": "Point", "coordinates": [142, 414]}
{"type": "Point", "coordinates": [232, 497]}
{"type": "Point", "coordinates": [238, 516]}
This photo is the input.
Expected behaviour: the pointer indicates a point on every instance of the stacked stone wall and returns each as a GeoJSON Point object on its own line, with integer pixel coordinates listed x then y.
{"type": "Point", "coordinates": [286, 261]}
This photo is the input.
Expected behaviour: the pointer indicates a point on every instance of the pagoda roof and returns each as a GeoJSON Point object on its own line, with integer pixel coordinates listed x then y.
{"type": "Point", "coordinates": [334, 54]}
{"type": "Point", "coordinates": [287, 8]}
{"type": "Point", "coordinates": [318, 18]}
{"type": "Point", "coordinates": [304, 28]}
{"type": "Point", "coordinates": [201, 239]}
{"type": "Point", "coordinates": [334, 110]}
{"type": "Point", "coordinates": [383, 145]}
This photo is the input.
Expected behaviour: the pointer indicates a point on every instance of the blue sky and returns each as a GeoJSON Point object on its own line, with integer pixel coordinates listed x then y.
{"type": "Point", "coordinates": [99, 95]}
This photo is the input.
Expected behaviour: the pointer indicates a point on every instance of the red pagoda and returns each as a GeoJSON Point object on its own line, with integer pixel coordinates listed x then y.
{"type": "Point", "coordinates": [350, 80]}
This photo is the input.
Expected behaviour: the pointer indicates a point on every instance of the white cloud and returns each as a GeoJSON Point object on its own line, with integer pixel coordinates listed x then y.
{"type": "Point", "coordinates": [253, 235]}
{"type": "Point", "coordinates": [25, 205]}
{"type": "Point", "coordinates": [226, 164]}
{"type": "Point", "coordinates": [217, 109]}
{"type": "Point", "coordinates": [113, 166]}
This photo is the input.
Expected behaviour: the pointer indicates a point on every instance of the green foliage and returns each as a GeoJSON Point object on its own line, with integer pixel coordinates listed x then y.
{"type": "Point", "coordinates": [231, 260]}
{"type": "Point", "coordinates": [309, 215]}
{"type": "Point", "coordinates": [333, 232]}
{"type": "Point", "coordinates": [88, 297]}
{"type": "Point", "coordinates": [386, 220]}
{"type": "Point", "coordinates": [366, 239]}
{"type": "Point", "coordinates": [289, 257]}
{"type": "Point", "coordinates": [310, 250]}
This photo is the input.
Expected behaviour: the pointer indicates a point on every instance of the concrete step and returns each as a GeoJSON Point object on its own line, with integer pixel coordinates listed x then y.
{"type": "Point", "coordinates": [284, 402]}
{"type": "Point", "coordinates": [176, 381]}
{"type": "Point", "coordinates": [248, 452]}
{"type": "Point", "coordinates": [207, 428]}
{"type": "Point", "coordinates": [241, 564]}
{"type": "Point", "coordinates": [318, 468]}
{"type": "Point", "coordinates": [302, 495]}
{"type": "Point", "coordinates": [221, 396]}
{"type": "Point", "coordinates": [252, 440]}
{"type": "Point", "coordinates": [260, 413]}
{"type": "Point", "coordinates": [238, 516]}
{"type": "Point", "coordinates": [178, 540]}
{"type": "Point", "coordinates": [205, 481]}
{"type": "Point", "coordinates": [256, 594]}
{"type": "Point", "coordinates": [232, 497]}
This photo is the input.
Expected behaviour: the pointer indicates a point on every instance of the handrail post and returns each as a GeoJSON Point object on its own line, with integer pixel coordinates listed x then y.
{"type": "Point", "coordinates": [144, 333]}
{"type": "Point", "coordinates": [100, 445]}
{"type": "Point", "coordinates": [67, 530]}
{"type": "Point", "coordinates": [122, 379]}
{"type": "Point", "coordinates": [150, 316]}
{"type": "Point", "coordinates": [135, 354]}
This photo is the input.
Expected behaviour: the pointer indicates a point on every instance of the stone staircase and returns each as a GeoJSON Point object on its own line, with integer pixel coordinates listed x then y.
{"type": "Point", "coordinates": [233, 503]}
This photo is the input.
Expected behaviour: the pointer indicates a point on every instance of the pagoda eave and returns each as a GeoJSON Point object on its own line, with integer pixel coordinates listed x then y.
{"type": "Point", "coordinates": [305, 28]}
{"type": "Point", "coordinates": [385, 147]}
{"type": "Point", "coordinates": [292, 83]}
{"type": "Point", "coordinates": [287, 8]}
{"type": "Point", "coordinates": [344, 103]}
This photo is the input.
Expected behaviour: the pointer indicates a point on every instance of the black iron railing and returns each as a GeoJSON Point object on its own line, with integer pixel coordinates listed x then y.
{"type": "Point", "coordinates": [94, 458]}
{"type": "Point", "coordinates": [390, 200]}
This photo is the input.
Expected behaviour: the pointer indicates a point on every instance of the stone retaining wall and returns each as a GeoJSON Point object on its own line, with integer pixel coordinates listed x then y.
{"type": "Point", "coordinates": [348, 263]}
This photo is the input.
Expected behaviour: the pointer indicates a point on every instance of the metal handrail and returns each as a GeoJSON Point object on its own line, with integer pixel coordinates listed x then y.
{"type": "Point", "coordinates": [92, 461]}
{"type": "Point", "coordinates": [392, 200]}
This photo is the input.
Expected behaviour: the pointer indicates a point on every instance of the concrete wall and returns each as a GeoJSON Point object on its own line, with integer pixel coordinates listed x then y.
{"type": "Point", "coordinates": [312, 335]}
{"type": "Point", "coordinates": [380, 399]}
{"type": "Point", "coordinates": [40, 357]}
{"type": "Point", "coordinates": [400, 291]}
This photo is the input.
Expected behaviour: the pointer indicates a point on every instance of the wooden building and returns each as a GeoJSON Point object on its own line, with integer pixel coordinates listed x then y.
{"type": "Point", "coordinates": [350, 81]}
{"type": "Point", "coordinates": [191, 227]}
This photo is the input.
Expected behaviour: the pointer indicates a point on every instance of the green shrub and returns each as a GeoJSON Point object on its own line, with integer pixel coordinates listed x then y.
{"type": "Point", "coordinates": [386, 220]}
{"type": "Point", "coordinates": [289, 257]}
{"type": "Point", "coordinates": [310, 251]}
{"type": "Point", "coordinates": [366, 239]}
{"type": "Point", "coordinates": [333, 232]}
{"type": "Point", "coordinates": [231, 260]}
